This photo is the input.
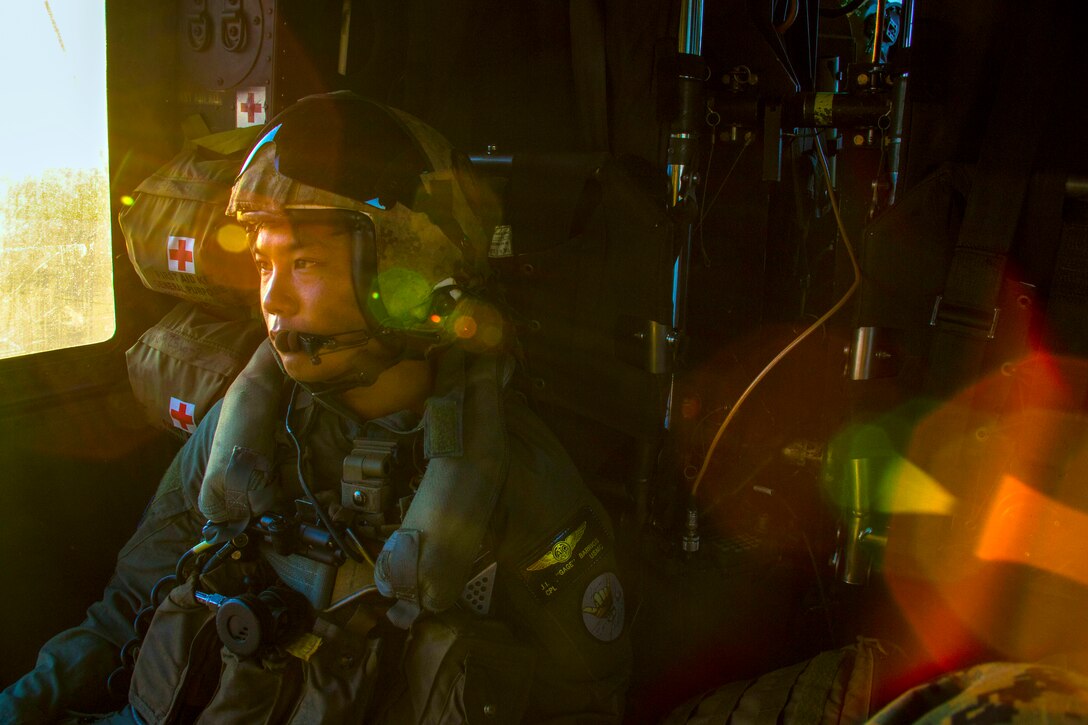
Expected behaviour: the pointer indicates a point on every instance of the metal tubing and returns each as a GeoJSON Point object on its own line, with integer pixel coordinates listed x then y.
{"type": "Point", "coordinates": [689, 41]}
{"type": "Point", "coordinates": [690, 38]}
{"type": "Point", "coordinates": [492, 165]}
{"type": "Point", "coordinates": [854, 562]}
{"type": "Point", "coordinates": [896, 136]}
{"type": "Point", "coordinates": [908, 23]}
{"type": "Point", "coordinates": [878, 32]}
{"type": "Point", "coordinates": [809, 110]}
{"type": "Point", "coordinates": [835, 110]}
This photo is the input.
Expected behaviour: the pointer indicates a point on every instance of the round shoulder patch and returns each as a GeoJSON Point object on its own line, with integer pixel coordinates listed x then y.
{"type": "Point", "coordinates": [602, 607]}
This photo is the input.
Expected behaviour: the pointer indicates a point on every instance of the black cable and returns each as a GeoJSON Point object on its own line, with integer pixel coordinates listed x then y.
{"type": "Point", "coordinates": [843, 10]}
{"type": "Point", "coordinates": [167, 580]}
{"type": "Point", "coordinates": [142, 621]}
{"type": "Point", "coordinates": [791, 17]}
{"type": "Point", "coordinates": [218, 558]}
{"type": "Point", "coordinates": [129, 651]}
{"type": "Point", "coordinates": [179, 570]}
{"type": "Point", "coordinates": [368, 590]}
{"type": "Point", "coordinates": [306, 486]}
{"type": "Point", "coordinates": [721, 185]}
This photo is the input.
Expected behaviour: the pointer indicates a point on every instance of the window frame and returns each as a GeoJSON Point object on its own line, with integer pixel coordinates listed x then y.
{"type": "Point", "coordinates": [143, 132]}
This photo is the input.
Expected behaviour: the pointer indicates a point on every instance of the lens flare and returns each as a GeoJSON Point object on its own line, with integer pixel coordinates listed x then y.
{"type": "Point", "coordinates": [1025, 526]}
{"type": "Point", "coordinates": [232, 238]}
{"type": "Point", "coordinates": [465, 327]}
{"type": "Point", "coordinates": [127, 200]}
{"type": "Point", "coordinates": [491, 336]}
{"type": "Point", "coordinates": [987, 547]}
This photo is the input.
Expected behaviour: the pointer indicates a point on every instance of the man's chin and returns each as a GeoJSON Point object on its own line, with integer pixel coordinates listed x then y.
{"type": "Point", "coordinates": [336, 367]}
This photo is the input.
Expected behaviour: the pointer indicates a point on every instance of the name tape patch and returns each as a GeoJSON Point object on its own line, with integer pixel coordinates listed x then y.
{"type": "Point", "coordinates": [567, 556]}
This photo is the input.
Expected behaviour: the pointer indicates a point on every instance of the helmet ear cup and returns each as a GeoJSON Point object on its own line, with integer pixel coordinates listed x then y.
{"type": "Point", "coordinates": [467, 319]}
{"type": "Point", "coordinates": [364, 271]}
{"type": "Point", "coordinates": [434, 329]}
{"type": "Point", "coordinates": [444, 300]}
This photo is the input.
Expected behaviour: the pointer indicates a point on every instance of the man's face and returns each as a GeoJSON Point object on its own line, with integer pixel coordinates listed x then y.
{"type": "Point", "coordinates": [306, 287]}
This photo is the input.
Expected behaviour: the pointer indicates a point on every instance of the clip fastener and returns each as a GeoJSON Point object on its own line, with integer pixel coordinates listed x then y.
{"type": "Point", "coordinates": [365, 486]}
{"type": "Point", "coordinates": [964, 318]}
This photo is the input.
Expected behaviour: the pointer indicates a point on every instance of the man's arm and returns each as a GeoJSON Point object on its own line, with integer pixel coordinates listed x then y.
{"type": "Point", "coordinates": [74, 666]}
{"type": "Point", "coordinates": [560, 583]}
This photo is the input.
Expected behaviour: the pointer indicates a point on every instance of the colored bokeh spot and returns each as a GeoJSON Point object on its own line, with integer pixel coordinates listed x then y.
{"type": "Point", "coordinates": [405, 294]}
{"type": "Point", "coordinates": [232, 238]}
{"type": "Point", "coordinates": [465, 327]}
{"type": "Point", "coordinates": [127, 200]}
{"type": "Point", "coordinates": [478, 325]}
{"type": "Point", "coordinates": [491, 336]}
{"type": "Point", "coordinates": [986, 552]}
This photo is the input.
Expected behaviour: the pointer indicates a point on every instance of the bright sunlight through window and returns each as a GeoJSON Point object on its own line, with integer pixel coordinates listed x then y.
{"type": "Point", "coordinates": [56, 278]}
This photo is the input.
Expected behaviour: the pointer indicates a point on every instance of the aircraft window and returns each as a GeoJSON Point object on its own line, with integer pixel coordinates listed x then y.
{"type": "Point", "coordinates": [56, 275]}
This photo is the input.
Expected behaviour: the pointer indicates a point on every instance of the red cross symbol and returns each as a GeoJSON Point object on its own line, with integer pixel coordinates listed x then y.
{"type": "Point", "coordinates": [181, 415]}
{"type": "Point", "coordinates": [179, 252]}
{"type": "Point", "coordinates": [250, 107]}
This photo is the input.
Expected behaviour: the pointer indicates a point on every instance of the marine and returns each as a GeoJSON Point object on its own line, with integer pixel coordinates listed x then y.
{"type": "Point", "coordinates": [372, 525]}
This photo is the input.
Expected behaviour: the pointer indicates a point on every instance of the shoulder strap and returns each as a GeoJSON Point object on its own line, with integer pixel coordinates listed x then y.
{"type": "Point", "coordinates": [590, 80]}
{"type": "Point", "coordinates": [428, 560]}
{"type": "Point", "coordinates": [967, 314]}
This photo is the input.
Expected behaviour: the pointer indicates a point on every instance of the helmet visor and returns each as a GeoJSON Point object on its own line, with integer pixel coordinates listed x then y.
{"type": "Point", "coordinates": [348, 146]}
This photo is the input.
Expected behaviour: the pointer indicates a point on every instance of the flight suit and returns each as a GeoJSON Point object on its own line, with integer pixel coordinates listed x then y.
{"type": "Point", "coordinates": [552, 646]}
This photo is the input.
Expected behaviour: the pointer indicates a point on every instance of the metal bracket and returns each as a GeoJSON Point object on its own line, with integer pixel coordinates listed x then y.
{"type": "Point", "coordinates": [873, 353]}
{"type": "Point", "coordinates": [365, 486]}
{"type": "Point", "coordinates": [646, 344]}
{"type": "Point", "coordinates": [199, 27]}
{"type": "Point", "coordinates": [233, 26]}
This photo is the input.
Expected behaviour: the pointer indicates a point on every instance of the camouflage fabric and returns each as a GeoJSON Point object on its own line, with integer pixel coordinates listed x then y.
{"type": "Point", "coordinates": [997, 692]}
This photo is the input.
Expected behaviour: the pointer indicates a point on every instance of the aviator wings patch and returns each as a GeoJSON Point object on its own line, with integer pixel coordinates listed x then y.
{"type": "Point", "coordinates": [560, 552]}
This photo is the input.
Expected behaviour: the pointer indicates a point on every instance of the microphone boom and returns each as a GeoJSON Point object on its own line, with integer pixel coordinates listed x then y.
{"type": "Point", "coordinates": [317, 345]}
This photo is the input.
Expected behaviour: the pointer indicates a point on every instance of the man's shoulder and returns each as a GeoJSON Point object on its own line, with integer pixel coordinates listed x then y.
{"type": "Point", "coordinates": [194, 454]}
{"type": "Point", "coordinates": [531, 443]}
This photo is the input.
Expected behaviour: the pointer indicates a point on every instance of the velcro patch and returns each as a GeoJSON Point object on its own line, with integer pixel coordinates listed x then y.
{"type": "Point", "coordinates": [603, 607]}
{"type": "Point", "coordinates": [442, 429]}
{"type": "Point", "coordinates": [567, 557]}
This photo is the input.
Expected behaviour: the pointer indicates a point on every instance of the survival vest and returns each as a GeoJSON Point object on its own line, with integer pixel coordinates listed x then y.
{"type": "Point", "coordinates": [454, 663]}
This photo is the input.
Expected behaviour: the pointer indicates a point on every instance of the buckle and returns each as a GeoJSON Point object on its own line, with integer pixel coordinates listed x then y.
{"type": "Point", "coordinates": [965, 319]}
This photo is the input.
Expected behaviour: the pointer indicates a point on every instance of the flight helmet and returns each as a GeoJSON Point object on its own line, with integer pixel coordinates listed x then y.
{"type": "Point", "coordinates": [421, 221]}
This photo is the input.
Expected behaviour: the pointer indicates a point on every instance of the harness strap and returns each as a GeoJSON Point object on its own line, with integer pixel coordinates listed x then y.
{"type": "Point", "coordinates": [967, 314]}
{"type": "Point", "coordinates": [449, 517]}
{"type": "Point", "coordinates": [590, 72]}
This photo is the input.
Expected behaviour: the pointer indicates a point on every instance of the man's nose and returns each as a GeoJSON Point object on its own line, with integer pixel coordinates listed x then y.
{"type": "Point", "coordinates": [277, 297]}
